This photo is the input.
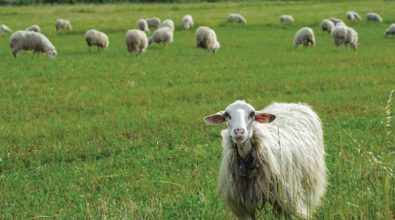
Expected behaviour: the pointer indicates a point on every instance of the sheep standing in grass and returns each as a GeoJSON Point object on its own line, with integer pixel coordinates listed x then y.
{"type": "Point", "coordinates": [4, 28]}
{"type": "Point", "coordinates": [327, 25]}
{"type": "Point", "coordinates": [207, 39]}
{"type": "Point", "coordinates": [97, 38]}
{"type": "Point", "coordinates": [142, 24]}
{"type": "Point", "coordinates": [34, 28]}
{"type": "Point", "coordinates": [153, 22]}
{"type": "Point", "coordinates": [168, 23]}
{"type": "Point", "coordinates": [345, 35]}
{"type": "Point", "coordinates": [390, 30]}
{"type": "Point", "coordinates": [30, 40]}
{"type": "Point", "coordinates": [162, 35]}
{"type": "Point", "coordinates": [187, 22]}
{"type": "Point", "coordinates": [136, 41]}
{"type": "Point", "coordinates": [62, 24]}
{"type": "Point", "coordinates": [374, 17]}
{"type": "Point", "coordinates": [236, 18]}
{"type": "Point", "coordinates": [274, 155]}
{"type": "Point", "coordinates": [353, 16]}
{"type": "Point", "coordinates": [287, 19]}
{"type": "Point", "coordinates": [304, 36]}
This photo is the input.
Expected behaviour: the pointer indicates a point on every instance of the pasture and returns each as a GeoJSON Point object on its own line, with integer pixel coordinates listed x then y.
{"type": "Point", "coordinates": [114, 135]}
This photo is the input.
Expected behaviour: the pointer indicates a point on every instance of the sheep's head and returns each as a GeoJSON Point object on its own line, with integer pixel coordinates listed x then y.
{"type": "Point", "coordinates": [52, 53]}
{"type": "Point", "coordinates": [239, 117]}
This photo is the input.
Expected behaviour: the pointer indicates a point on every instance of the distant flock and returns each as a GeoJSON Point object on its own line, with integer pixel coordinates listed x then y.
{"type": "Point", "coordinates": [137, 41]}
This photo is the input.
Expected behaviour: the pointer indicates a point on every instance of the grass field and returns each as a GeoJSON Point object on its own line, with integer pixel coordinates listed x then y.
{"type": "Point", "coordinates": [115, 135]}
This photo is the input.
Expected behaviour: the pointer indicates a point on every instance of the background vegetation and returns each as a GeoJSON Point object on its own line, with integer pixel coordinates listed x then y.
{"type": "Point", "coordinates": [115, 135]}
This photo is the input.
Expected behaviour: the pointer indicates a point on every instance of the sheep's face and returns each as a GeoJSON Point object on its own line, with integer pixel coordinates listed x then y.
{"type": "Point", "coordinates": [239, 117]}
{"type": "Point", "coordinates": [52, 54]}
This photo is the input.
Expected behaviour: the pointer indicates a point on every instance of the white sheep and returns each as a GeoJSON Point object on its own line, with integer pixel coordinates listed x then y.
{"type": "Point", "coordinates": [142, 24]}
{"type": "Point", "coordinates": [236, 18]}
{"type": "Point", "coordinates": [371, 16]}
{"type": "Point", "coordinates": [34, 28]}
{"type": "Point", "coordinates": [136, 41]}
{"type": "Point", "coordinates": [327, 25]}
{"type": "Point", "coordinates": [153, 22]}
{"type": "Point", "coordinates": [304, 36]}
{"type": "Point", "coordinates": [390, 30]}
{"type": "Point", "coordinates": [4, 28]}
{"type": "Point", "coordinates": [187, 22]}
{"type": "Point", "coordinates": [162, 35]}
{"type": "Point", "coordinates": [30, 40]}
{"type": "Point", "coordinates": [168, 23]}
{"type": "Point", "coordinates": [352, 16]}
{"type": "Point", "coordinates": [62, 24]}
{"type": "Point", "coordinates": [345, 35]}
{"type": "Point", "coordinates": [275, 155]}
{"type": "Point", "coordinates": [97, 38]}
{"type": "Point", "coordinates": [335, 20]}
{"type": "Point", "coordinates": [286, 19]}
{"type": "Point", "coordinates": [207, 39]}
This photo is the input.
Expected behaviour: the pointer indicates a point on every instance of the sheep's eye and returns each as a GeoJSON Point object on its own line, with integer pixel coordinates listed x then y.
{"type": "Point", "coordinates": [251, 115]}
{"type": "Point", "coordinates": [227, 116]}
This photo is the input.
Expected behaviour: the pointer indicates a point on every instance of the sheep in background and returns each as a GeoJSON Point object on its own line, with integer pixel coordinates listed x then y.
{"type": "Point", "coordinates": [168, 23]}
{"type": "Point", "coordinates": [304, 36]}
{"type": "Point", "coordinates": [345, 35]}
{"type": "Point", "coordinates": [352, 16]}
{"type": "Point", "coordinates": [97, 38]}
{"type": "Point", "coordinates": [236, 18]}
{"type": "Point", "coordinates": [34, 28]}
{"type": "Point", "coordinates": [4, 28]}
{"type": "Point", "coordinates": [136, 41]}
{"type": "Point", "coordinates": [162, 35]}
{"type": "Point", "coordinates": [327, 25]}
{"type": "Point", "coordinates": [187, 22]}
{"type": "Point", "coordinates": [390, 30]}
{"type": "Point", "coordinates": [274, 155]}
{"type": "Point", "coordinates": [207, 39]}
{"type": "Point", "coordinates": [374, 17]}
{"type": "Point", "coordinates": [153, 22]}
{"type": "Point", "coordinates": [142, 24]}
{"type": "Point", "coordinates": [30, 40]}
{"type": "Point", "coordinates": [286, 19]}
{"type": "Point", "coordinates": [62, 24]}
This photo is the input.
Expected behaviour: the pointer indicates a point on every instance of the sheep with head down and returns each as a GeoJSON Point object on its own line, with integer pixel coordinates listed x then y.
{"type": "Point", "coordinates": [168, 23]}
{"type": "Point", "coordinates": [187, 22]}
{"type": "Point", "coordinates": [136, 41]}
{"type": "Point", "coordinates": [353, 16]}
{"type": "Point", "coordinates": [372, 16]}
{"type": "Point", "coordinates": [142, 24]}
{"type": "Point", "coordinates": [275, 155]}
{"type": "Point", "coordinates": [236, 18]}
{"type": "Point", "coordinates": [390, 30]}
{"type": "Point", "coordinates": [34, 28]}
{"type": "Point", "coordinates": [345, 35]}
{"type": "Point", "coordinates": [207, 39]}
{"type": "Point", "coordinates": [286, 19]}
{"type": "Point", "coordinates": [304, 36]}
{"type": "Point", "coordinates": [153, 22]}
{"type": "Point", "coordinates": [30, 40]}
{"type": "Point", "coordinates": [96, 38]}
{"type": "Point", "coordinates": [4, 29]}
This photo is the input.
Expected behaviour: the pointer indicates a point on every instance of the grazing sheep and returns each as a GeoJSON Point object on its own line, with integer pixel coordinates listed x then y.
{"type": "Point", "coordinates": [236, 18]}
{"type": "Point", "coordinates": [286, 19]}
{"type": "Point", "coordinates": [4, 28]}
{"type": "Point", "coordinates": [30, 40]}
{"type": "Point", "coordinates": [327, 25]}
{"type": "Point", "coordinates": [62, 24]}
{"type": "Point", "coordinates": [207, 39]}
{"type": "Point", "coordinates": [162, 35]}
{"type": "Point", "coordinates": [34, 28]}
{"type": "Point", "coordinates": [153, 22]}
{"type": "Point", "coordinates": [352, 16]}
{"type": "Point", "coordinates": [187, 22]}
{"type": "Point", "coordinates": [335, 20]}
{"type": "Point", "coordinates": [390, 30]}
{"type": "Point", "coordinates": [275, 155]}
{"type": "Point", "coordinates": [168, 23]}
{"type": "Point", "coordinates": [136, 41]}
{"type": "Point", "coordinates": [345, 35]}
{"type": "Point", "coordinates": [142, 24]}
{"type": "Point", "coordinates": [374, 17]}
{"type": "Point", "coordinates": [304, 36]}
{"type": "Point", "coordinates": [95, 37]}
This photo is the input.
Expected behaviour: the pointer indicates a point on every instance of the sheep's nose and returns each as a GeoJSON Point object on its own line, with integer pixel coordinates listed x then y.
{"type": "Point", "coordinates": [239, 131]}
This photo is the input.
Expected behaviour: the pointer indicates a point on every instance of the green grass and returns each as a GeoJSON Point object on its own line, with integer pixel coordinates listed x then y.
{"type": "Point", "coordinates": [114, 135]}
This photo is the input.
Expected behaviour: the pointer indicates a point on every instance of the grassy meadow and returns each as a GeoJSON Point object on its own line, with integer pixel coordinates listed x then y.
{"type": "Point", "coordinates": [113, 135]}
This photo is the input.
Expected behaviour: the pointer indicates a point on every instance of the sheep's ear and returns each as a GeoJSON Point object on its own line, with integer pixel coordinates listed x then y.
{"type": "Point", "coordinates": [264, 117]}
{"type": "Point", "coordinates": [215, 119]}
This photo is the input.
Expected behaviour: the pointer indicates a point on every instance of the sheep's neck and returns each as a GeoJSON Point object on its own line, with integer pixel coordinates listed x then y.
{"type": "Point", "coordinates": [244, 149]}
